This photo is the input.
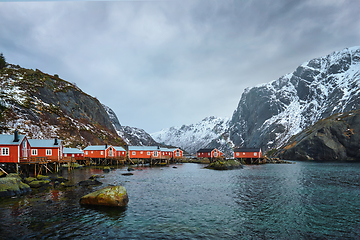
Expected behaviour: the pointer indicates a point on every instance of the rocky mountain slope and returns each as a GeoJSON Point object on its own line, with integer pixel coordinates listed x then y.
{"type": "Point", "coordinates": [333, 138]}
{"type": "Point", "coordinates": [44, 106]}
{"type": "Point", "coordinates": [269, 114]}
{"type": "Point", "coordinates": [131, 135]}
{"type": "Point", "coordinates": [194, 136]}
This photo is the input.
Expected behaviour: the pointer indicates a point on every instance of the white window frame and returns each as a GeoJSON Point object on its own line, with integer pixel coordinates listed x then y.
{"type": "Point", "coordinates": [34, 152]}
{"type": "Point", "coordinates": [237, 154]}
{"type": "Point", "coordinates": [48, 152]}
{"type": "Point", "coordinates": [255, 153]}
{"type": "Point", "coordinates": [5, 152]}
{"type": "Point", "coordinates": [101, 152]}
{"type": "Point", "coordinates": [86, 152]}
{"type": "Point", "coordinates": [178, 153]}
{"type": "Point", "coordinates": [133, 152]}
{"type": "Point", "coordinates": [148, 153]}
{"type": "Point", "coordinates": [155, 153]}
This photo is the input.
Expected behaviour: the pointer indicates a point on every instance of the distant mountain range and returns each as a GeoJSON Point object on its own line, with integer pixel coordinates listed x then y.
{"type": "Point", "coordinates": [195, 136]}
{"type": "Point", "coordinates": [269, 114]}
{"type": "Point", "coordinates": [131, 135]}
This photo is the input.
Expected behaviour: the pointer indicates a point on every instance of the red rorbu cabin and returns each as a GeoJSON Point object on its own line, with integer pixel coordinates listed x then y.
{"type": "Point", "coordinates": [13, 148]}
{"type": "Point", "coordinates": [144, 152]}
{"type": "Point", "coordinates": [247, 153]}
{"type": "Point", "coordinates": [74, 153]}
{"type": "Point", "coordinates": [120, 152]}
{"type": "Point", "coordinates": [46, 148]}
{"type": "Point", "coordinates": [209, 153]}
{"type": "Point", "coordinates": [99, 151]}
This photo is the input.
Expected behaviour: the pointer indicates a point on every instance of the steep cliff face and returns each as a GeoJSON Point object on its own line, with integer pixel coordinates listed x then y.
{"type": "Point", "coordinates": [330, 139]}
{"type": "Point", "coordinates": [131, 135]}
{"type": "Point", "coordinates": [269, 114]}
{"type": "Point", "coordinates": [44, 106]}
{"type": "Point", "coordinates": [194, 136]}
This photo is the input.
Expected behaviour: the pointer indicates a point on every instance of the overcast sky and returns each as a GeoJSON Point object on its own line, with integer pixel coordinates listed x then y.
{"type": "Point", "coordinates": [159, 64]}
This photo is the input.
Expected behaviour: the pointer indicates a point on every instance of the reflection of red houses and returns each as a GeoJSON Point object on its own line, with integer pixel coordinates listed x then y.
{"type": "Point", "coordinates": [209, 153]}
{"type": "Point", "coordinates": [13, 148]}
{"type": "Point", "coordinates": [46, 148]}
{"type": "Point", "coordinates": [247, 153]}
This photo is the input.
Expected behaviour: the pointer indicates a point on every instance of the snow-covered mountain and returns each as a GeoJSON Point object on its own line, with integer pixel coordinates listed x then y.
{"type": "Point", "coordinates": [269, 114]}
{"type": "Point", "coordinates": [131, 135]}
{"type": "Point", "coordinates": [195, 136]}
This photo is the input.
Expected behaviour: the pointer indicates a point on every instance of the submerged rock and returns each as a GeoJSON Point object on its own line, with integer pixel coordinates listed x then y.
{"type": "Point", "coordinates": [225, 165]}
{"type": "Point", "coordinates": [114, 196]}
{"type": "Point", "coordinates": [12, 185]}
{"type": "Point", "coordinates": [127, 174]}
{"type": "Point", "coordinates": [106, 169]}
{"type": "Point", "coordinates": [90, 182]}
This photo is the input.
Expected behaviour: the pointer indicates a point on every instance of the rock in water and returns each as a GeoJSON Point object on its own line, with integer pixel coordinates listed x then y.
{"type": "Point", "coordinates": [12, 185]}
{"type": "Point", "coordinates": [114, 196]}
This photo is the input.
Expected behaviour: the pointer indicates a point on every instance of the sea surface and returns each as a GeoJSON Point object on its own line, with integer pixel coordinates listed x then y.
{"type": "Point", "coordinates": [304, 200]}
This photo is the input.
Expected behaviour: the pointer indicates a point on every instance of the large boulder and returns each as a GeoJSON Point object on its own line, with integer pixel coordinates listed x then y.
{"type": "Point", "coordinates": [114, 196]}
{"type": "Point", "coordinates": [12, 185]}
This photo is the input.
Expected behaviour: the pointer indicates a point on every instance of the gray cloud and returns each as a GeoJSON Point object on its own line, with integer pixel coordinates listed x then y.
{"type": "Point", "coordinates": [164, 63]}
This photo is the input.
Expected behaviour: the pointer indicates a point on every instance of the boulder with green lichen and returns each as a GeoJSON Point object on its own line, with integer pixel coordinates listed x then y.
{"type": "Point", "coordinates": [114, 196]}
{"type": "Point", "coordinates": [12, 185]}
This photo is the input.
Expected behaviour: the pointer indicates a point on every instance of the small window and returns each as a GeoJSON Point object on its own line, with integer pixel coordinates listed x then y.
{"type": "Point", "coordinates": [102, 153]}
{"type": "Point", "coordinates": [237, 154]}
{"type": "Point", "coordinates": [73, 155]}
{"type": "Point", "coordinates": [155, 153]}
{"type": "Point", "coordinates": [92, 152]}
{"type": "Point", "coordinates": [34, 152]}
{"type": "Point", "coordinates": [255, 154]}
{"type": "Point", "coordinates": [86, 152]}
{"type": "Point", "coordinates": [65, 155]}
{"type": "Point", "coordinates": [243, 153]}
{"type": "Point", "coordinates": [148, 153]}
{"type": "Point", "coordinates": [178, 153]}
{"type": "Point", "coordinates": [141, 152]}
{"type": "Point", "coordinates": [133, 153]}
{"type": "Point", "coordinates": [48, 152]}
{"type": "Point", "coordinates": [5, 151]}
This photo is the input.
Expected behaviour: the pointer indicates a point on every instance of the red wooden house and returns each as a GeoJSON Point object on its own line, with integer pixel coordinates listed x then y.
{"type": "Point", "coordinates": [247, 153]}
{"type": "Point", "coordinates": [209, 153]}
{"type": "Point", "coordinates": [99, 151]}
{"type": "Point", "coordinates": [144, 152]}
{"type": "Point", "coordinates": [46, 148]}
{"type": "Point", "coordinates": [173, 152]}
{"type": "Point", "coordinates": [13, 148]}
{"type": "Point", "coordinates": [74, 153]}
{"type": "Point", "coordinates": [120, 152]}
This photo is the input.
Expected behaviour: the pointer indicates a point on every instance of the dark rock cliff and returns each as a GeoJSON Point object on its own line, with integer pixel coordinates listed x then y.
{"type": "Point", "coordinates": [330, 139]}
{"type": "Point", "coordinates": [44, 106]}
{"type": "Point", "coordinates": [269, 114]}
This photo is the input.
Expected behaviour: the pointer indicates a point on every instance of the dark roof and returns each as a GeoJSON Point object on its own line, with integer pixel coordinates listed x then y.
{"type": "Point", "coordinates": [206, 150]}
{"type": "Point", "coordinates": [247, 149]}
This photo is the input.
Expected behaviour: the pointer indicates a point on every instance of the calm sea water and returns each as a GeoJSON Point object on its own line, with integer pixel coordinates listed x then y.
{"type": "Point", "coordinates": [290, 201]}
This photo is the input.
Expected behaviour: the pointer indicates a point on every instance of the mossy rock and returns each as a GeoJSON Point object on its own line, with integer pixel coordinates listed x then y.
{"type": "Point", "coordinates": [14, 175]}
{"type": "Point", "coordinates": [114, 196]}
{"type": "Point", "coordinates": [225, 165]}
{"type": "Point", "coordinates": [12, 186]}
{"type": "Point", "coordinates": [42, 177]}
{"type": "Point", "coordinates": [29, 179]}
{"type": "Point", "coordinates": [39, 183]}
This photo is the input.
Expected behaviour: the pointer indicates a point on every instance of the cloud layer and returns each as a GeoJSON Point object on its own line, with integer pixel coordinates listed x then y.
{"type": "Point", "coordinates": [163, 63]}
